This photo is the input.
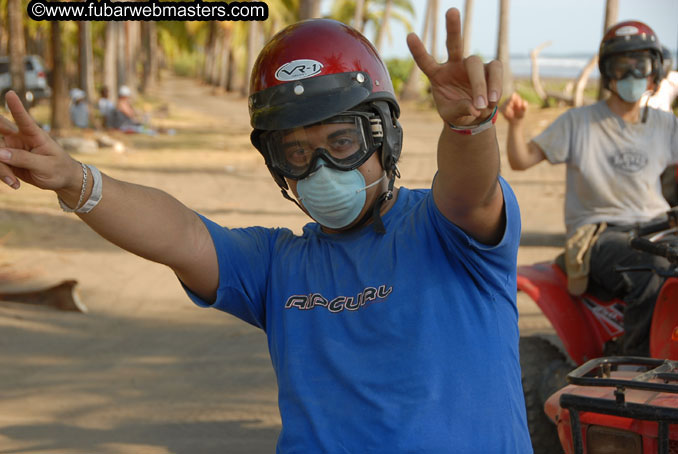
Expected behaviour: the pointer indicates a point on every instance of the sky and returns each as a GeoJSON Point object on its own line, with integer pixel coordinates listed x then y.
{"type": "Point", "coordinates": [573, 26]}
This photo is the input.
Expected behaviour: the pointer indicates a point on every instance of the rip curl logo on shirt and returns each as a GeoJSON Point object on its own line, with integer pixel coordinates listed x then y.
{"type": "Point", "coordinates": [340, 303]}
{"type": "Point", "coordinates": [628, 161]}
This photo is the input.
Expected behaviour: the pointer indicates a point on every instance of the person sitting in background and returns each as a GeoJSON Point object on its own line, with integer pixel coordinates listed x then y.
{"type": "Point", "coordinates": [79, 110]}
{"type": "Point", "coordinates": [106, 107]}
{"type": "Point", "coordinates": [615, 152]}
{"type": "Point", "coordinates": [667, 92]}
{"type": "Point", "coordinates": [126, 118]}
{"type": "Point", "coordinates": [124, 105]}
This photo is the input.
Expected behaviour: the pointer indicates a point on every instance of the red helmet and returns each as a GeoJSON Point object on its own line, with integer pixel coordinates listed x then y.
{"type": "Point", "coordinates": [629, 36]}
{"type": "Point", "coordinates": [316, 69]}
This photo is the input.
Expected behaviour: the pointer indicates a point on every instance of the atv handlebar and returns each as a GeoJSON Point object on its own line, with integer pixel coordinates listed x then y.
{"type": "Point", "coordinates": [653, 227]}
{"type": "Point", "coordinates": [660, 249]}
{"type": "Point", "coordinates": [657, 226]}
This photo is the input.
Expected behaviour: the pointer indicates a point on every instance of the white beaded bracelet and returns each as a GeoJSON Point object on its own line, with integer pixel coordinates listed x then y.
{"type": "Point", "coordinates": [83, 190]}
{"type": "Point", "coordinates": [96, 194]}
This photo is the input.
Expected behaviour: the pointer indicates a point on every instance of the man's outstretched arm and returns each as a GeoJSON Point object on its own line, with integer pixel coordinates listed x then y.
{"type": "Point", "coordinates": [466, 189]}
{"type": "Point", "coordinates": [143, 220]}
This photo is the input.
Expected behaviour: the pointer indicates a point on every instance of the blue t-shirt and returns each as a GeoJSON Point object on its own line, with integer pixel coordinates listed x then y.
{"type": "Point", "coordinates": [401, 342]}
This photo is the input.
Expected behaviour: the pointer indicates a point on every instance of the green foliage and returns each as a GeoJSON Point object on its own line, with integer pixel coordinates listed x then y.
{"type": "Point", "coordinates": [344, 10]}
{"type": "Point", "coordinates": [188, 64]}
{"type": "Point", "coordinates": [399, 69]}
{"type": "Point", "coordinates": [525, 89]}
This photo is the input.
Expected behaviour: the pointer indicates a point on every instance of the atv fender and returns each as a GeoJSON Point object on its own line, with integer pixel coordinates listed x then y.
{"type": "Point", "coordinates": [546, 285]}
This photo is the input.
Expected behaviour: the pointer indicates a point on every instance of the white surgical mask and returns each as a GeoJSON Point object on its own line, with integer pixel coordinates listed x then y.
{"type": "Point", "coordinates": [334, 198]}
{"type": "Point", "coordinates": [631, 89]}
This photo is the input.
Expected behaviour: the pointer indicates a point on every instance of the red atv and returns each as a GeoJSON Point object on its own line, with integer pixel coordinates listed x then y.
{"type": "Point", "coordinates": [613, 404]}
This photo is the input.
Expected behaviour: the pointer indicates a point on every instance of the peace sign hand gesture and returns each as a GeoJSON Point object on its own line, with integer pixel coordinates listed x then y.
{"type": "Point", "coordinates": [28, 153]}
{"type": "Point", "coordinates": [465, 90]}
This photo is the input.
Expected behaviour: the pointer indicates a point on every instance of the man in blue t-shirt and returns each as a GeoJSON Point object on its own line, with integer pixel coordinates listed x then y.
{"type": "Point", "coordinates": [391, 321]}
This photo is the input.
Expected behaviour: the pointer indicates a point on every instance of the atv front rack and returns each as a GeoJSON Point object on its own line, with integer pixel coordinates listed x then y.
{"type": "Point", "coordinates": [659, 376]}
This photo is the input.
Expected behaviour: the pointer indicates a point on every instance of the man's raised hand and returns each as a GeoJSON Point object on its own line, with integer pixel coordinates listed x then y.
{"type": "Point", "coordinates": [465, 90]}
{"type": "Point", "coordinates": [28, 153]}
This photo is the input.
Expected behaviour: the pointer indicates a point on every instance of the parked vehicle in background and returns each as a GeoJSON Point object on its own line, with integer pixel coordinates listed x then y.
{"type": "Point", "coordinates": [35, 77]}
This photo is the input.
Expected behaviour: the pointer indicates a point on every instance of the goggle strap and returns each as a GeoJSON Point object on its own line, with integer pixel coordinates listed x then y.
{"type": "Point", "coordinates": [377, 129]}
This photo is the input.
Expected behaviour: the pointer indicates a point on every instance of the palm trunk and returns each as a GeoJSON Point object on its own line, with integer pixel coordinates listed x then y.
{"type": "Point", "coordinates": [358, 15]}
{"type": "Point", "coordinates": [468, 17]}
{"type": "Point", "coordinates": [412, 87]}
{"type": "Point", "coordinates": [17, 47]}
{"type": "Point", "coordinates": [225, 58]}
{"type": "Point", "coordinates": [252, 50]}
{"type": "Point", "coordinates": [503, 54]}
{"type": "Point", "coordinates": [59, 96]}
{"type": "Point", "coordinates": [149, 44]}
{"type": "Point", "coordinates": [309, 9]}
{"type": "Point", "coordinates": [611, 14]}
{"type": "Point", "coordinates": [121, 53]}
{"type": "Point", "coordinates": [217, 56]}
{"type": "Point", "coordinates": [433, 11]}
{"type": "Point", "coordinates": [86, 57]}
{"type": "Point", "coordinates": [384, 25]}
{"type": "Point", "coordinates": [110, 59]}
{"type": "Point", "coordinates": [209, 52]}
{"type": "Point", "coordinates": [131, 53]}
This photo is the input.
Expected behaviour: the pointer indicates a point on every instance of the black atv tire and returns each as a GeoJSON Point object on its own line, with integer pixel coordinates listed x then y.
{"type": "Point", "coordinates": [544, 369]}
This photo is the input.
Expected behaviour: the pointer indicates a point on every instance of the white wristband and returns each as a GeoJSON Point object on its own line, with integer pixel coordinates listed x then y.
{"type": "Point", "coordinates": [96, 194]}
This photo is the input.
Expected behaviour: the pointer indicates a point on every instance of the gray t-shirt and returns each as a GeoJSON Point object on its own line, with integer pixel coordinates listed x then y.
{"type": "Point", "coordinates": [613, 167]}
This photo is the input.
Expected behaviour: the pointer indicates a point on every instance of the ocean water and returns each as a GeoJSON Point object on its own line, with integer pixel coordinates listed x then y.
{"type": "Point", "coordinates": [568, 67]}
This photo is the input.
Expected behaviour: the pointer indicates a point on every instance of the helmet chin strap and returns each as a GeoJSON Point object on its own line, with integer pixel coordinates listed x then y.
{"type": "Point", "coordinates": [375, 213]}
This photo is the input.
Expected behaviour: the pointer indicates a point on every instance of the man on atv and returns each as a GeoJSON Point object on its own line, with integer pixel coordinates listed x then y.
{"type": "Point", "coordinates": [615, 151]}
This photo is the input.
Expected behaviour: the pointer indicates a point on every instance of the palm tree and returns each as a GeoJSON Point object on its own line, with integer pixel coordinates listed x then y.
{"type": "Point", "coordinates": [224, 70]}
{"type": "Point", "coordinates": [468, 17]}
{"type": "Point", "coordinates": [110, 60]}
{"type": "Point", "coordinates": [253, 47]}
{"type": "Point", "coordinates": [3, 26]}
{"type": "Point", "coordinates": [309, 9]}
{"type": "Point", "coordinates": [359, 15]}
{"type": "Point", "coordinates": [372, 13]}
{"type": "Point", "coordinates": [503, 45]}
{"type": "Point", "coordinates": [17, 47]}
{"type": "Point", "coordinates": [132, 33]}
{"type": "Point", "coordinates": [383, 25]}
{"type": "Point", "coordinates": [149, 44]}
{"type": "Point", "coordinates": [611, 14]}
{"type": "Point", "coordinates": [433, 13]}
{"type": "Point", "coordinates": [59, 97]}
{"type": "Point", "coordinates": [412, 88]}
{"type": "Point", "coordinates": [209, 51]}
{"type": "Point", "coordinates": [85, 60]}
{"type": "Point", "coordinates": [121, 54]}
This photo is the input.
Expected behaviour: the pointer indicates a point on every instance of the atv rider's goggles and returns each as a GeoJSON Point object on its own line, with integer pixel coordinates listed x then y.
{"type": "Point", "coordinates": [638, 65]}
{"type": "Point", "coordinates": [344, 142]}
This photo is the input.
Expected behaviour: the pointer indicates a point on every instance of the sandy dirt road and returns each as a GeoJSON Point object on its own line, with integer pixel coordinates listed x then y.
{"type": "Point", "coordinates": [145, 371]}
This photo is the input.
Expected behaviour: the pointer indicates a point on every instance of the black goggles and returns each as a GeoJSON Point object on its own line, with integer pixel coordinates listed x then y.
{"type": "Point", "coordinates": [637, 65]}
{"type": "Point", "coordinates": [344, 142]}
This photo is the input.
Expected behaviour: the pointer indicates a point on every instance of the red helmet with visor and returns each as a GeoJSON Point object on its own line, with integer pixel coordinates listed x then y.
{"type": "Point", "coordinates": [313, 71]}
{"type": "Point", "coordinates": [624, 39]}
